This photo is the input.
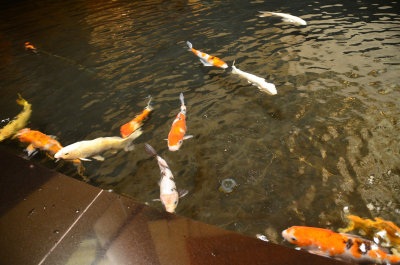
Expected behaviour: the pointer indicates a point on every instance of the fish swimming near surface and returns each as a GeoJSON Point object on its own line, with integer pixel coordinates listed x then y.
{"type": "Point", "coordinates": [19, 122]}
{"type": "Point", "coordinates": [206, 59]}
{"type": "Point", "coordinates": [30, 47]}
{"type": "Point", "coordinates": [169, 196]}
{"type": "Point", "coordinates": [255, 80]}
{"type": "Point", "coordinates": [39, 140]}
{"type": "Point", "coordinates": [178, 129]}
{"type": "Point", "coordinates": [344, 247]}
{"type": "Point", "coordinates": [381, 231]}
{"type": "Point", "coordinates": [285, 17]}
{"type": "Point", "coordinates": [92, 148]}
{"type": "Point", "coordinates": [128, 128]}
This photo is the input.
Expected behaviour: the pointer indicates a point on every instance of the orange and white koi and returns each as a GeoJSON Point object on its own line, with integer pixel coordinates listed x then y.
{"type": "Point", "coordinates": [19, 122]}
{"type": "Point", "coordinates": [382, 232]}
{"type": "Point", "coordinates": [206, 59]}
{"type": "Point", "coordinates": [178, 129]}
{"type": "Point", "coordinates": [30, 47]}
{"type": "Point", "coordinates": [128, 128]}
{"type": "Point", "coordinates": [344, 247]}
{"type": "Point", "coordinates": [168, 194]}
{"type": "Point", "coordinates": [39, 140]}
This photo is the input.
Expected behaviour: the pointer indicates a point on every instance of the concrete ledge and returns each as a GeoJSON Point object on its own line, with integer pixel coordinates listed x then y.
{"type": "Point", "coordinates": [49, 218]}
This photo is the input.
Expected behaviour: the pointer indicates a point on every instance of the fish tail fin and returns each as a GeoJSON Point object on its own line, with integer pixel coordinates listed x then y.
{"type": "Point", "coordinates": [150, 150]}
{"type": "Point", "coordinates": [21, 101]}
{"type": "Point", "coordinates": [181, 98]}
{"type": "Point", "coordinates": [149, 107]}
{"type": "Point", "coordinates": [190, 46]}
{"type": "Point", "coordinates": [265, 14]}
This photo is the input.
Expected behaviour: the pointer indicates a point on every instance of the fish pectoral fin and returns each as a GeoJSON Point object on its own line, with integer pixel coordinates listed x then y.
{"type": "Point", "coordinates": [156, 200]}
{"type": "Point", "coordinates": [205, 63]}
{"type": "Point", "coordinates": [98, 158]}
{"type": "Point", "coordinates": [53, 137]}
{"type": "Point", "coordinates": [182, 193]}
{"type": "Point", "coordinates": [187, 137]}
{"type": "Point", "coordinates": [85, 159]}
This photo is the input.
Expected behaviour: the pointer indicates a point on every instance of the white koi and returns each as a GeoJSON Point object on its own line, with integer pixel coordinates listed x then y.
{"type": "Point", "coordinates": [92, 148]}
{"type": "Point", "coordinates": [255, 80]}
{"type": "Point", "coordinates": [169, 196]}
{"type": "Point", "coordinates": [285, 17]}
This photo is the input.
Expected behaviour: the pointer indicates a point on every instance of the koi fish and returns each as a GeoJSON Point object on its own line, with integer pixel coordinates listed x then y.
{"type": "Point", "coordinates": [19, 122]}
{"type": "Point", "coordinates": [285, 17]}
{"type": "Point", "coordinates": [92, 148]}
{"type": "Point", "coordinates": [30, 47]}
{"type": "Point", "coordinates": [379, 230]}
{"type": "Point", "coordinates": [178, 129]}
{"type": "Point", "coordinates": [169, 196]}
{"type": "Point", "coordinates": [128, 128]}
{"type": "Point", "coordinates": [344, 247]}
{"type": "Point", "coordinates": [39, 140]}
{"type": "Point", "coordinates": [206, 59]}
{"type": "Point", "coordinates": [255, 80]}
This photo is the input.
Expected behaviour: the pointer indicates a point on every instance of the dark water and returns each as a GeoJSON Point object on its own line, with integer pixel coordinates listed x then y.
{"type": "Point", "coordinates": [328, 140]}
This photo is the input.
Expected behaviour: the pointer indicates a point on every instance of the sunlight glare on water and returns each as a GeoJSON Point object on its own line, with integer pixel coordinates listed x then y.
{"type": "Point", "coordinates": [328, 140]}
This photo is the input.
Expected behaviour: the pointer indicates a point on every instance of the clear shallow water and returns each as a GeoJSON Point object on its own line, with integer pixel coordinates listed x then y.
{"type": "Point", "coordinates": [328, 140]}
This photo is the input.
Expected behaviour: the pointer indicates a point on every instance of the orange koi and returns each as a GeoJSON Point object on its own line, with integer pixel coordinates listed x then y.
{"type": "Point", "coordinates": [39, 140]}
{"type": "Point", "coordinates": [206, 59]}
{"type": "Point", "coordinates": [128, 128]}
{"type": "Point", "coordinates": [344, 247]}
{"type": "Point", "coordinates": [30, 47]}
{"type": "Point", "coordinates": [178, 129]}
{"type": "Point", "coordinates": [379, 230]}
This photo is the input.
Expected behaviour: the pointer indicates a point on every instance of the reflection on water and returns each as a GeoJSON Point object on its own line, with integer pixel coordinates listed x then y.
{"type": "Point", "coordinates": [328, 140]}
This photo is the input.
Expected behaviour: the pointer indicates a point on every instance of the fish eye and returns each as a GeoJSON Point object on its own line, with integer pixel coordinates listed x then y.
{"type": "Point", "coordinates": [175, 202]}
{"type": "Point", "coordinates": [293, 238]}
{"type": "Point", "coordinates": [66, 154]}
{"type": "Point", "coordinates": [180, 142]}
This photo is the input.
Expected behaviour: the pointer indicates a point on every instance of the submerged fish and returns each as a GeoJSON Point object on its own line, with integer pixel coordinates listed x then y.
{"type": "Point", "coordinates": [169, 196]}
{"type": "Point", "coordinates": [39, 140]}
{"type": "Point", "coordinates": [344, 247]}
{"type": "Point", "coordinates": [19, 122]}
{"type": "Point", "coordinates": [128, 128]}
{"type": "Point", "coordinates": [380, 231]}
{"type": "Point", "coordinates": [206, 59]}
{"type": "Point", "coordinates": [255, 80]}
{"type": "Point", "coordinates": [30, 47]}
{"type": "Point", "coordinates": [92, 148]}
{"type": "Point", "coordinates": [178, 129]}
{"type": "Point", "coordinates": [285, 17]}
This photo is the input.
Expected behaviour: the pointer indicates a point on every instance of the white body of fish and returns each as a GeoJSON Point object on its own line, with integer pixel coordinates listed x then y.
{"type": "Point", "coordinates": [255, 80]}
{"type": "Point", "coordinates": [169, 195]}
{"type": "Point", "coordinates": [285, 17]}
{"type": "Point", "coordinates": [92, 148]}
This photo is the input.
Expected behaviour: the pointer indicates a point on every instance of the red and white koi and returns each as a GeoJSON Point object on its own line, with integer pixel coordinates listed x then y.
{"type": "Point", "coordinates": [344, 247]}
{"type": "Point", "coordinates": [178, 129]}
{"type": "Point", "coordinates": [168, 194]}
{"type": "Point", "coordinates": [255, 80]}
{"type": "Point", "coordinates": [206, 59]}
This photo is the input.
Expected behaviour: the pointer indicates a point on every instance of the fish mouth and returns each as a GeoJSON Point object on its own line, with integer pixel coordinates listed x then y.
{"type": "Point", "coordinates": [173, 148]}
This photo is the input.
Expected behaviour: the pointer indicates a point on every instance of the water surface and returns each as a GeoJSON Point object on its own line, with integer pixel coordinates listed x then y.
{"type": "Point", "coordinates": [328, 141]}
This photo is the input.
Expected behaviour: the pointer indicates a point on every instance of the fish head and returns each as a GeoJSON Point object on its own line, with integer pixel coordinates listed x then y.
{"type": "Point", "coordinates": [68, 152]}
{"type": "Point", "coordinates": [224, 66]}
{"type": "Point", "coordinates": [300, 235]}
{"type": "Point", "coordinates": [170, 201]}
{"type": "Point", "coordinates": [175, 146]}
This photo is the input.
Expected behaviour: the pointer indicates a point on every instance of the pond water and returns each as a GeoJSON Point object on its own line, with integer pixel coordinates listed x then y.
{"type": "Point", "coordinates": [327, 142]}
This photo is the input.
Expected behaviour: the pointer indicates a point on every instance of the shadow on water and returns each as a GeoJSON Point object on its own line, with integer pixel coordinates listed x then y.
{"type": "Point", "coordinates": [328, 140]}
